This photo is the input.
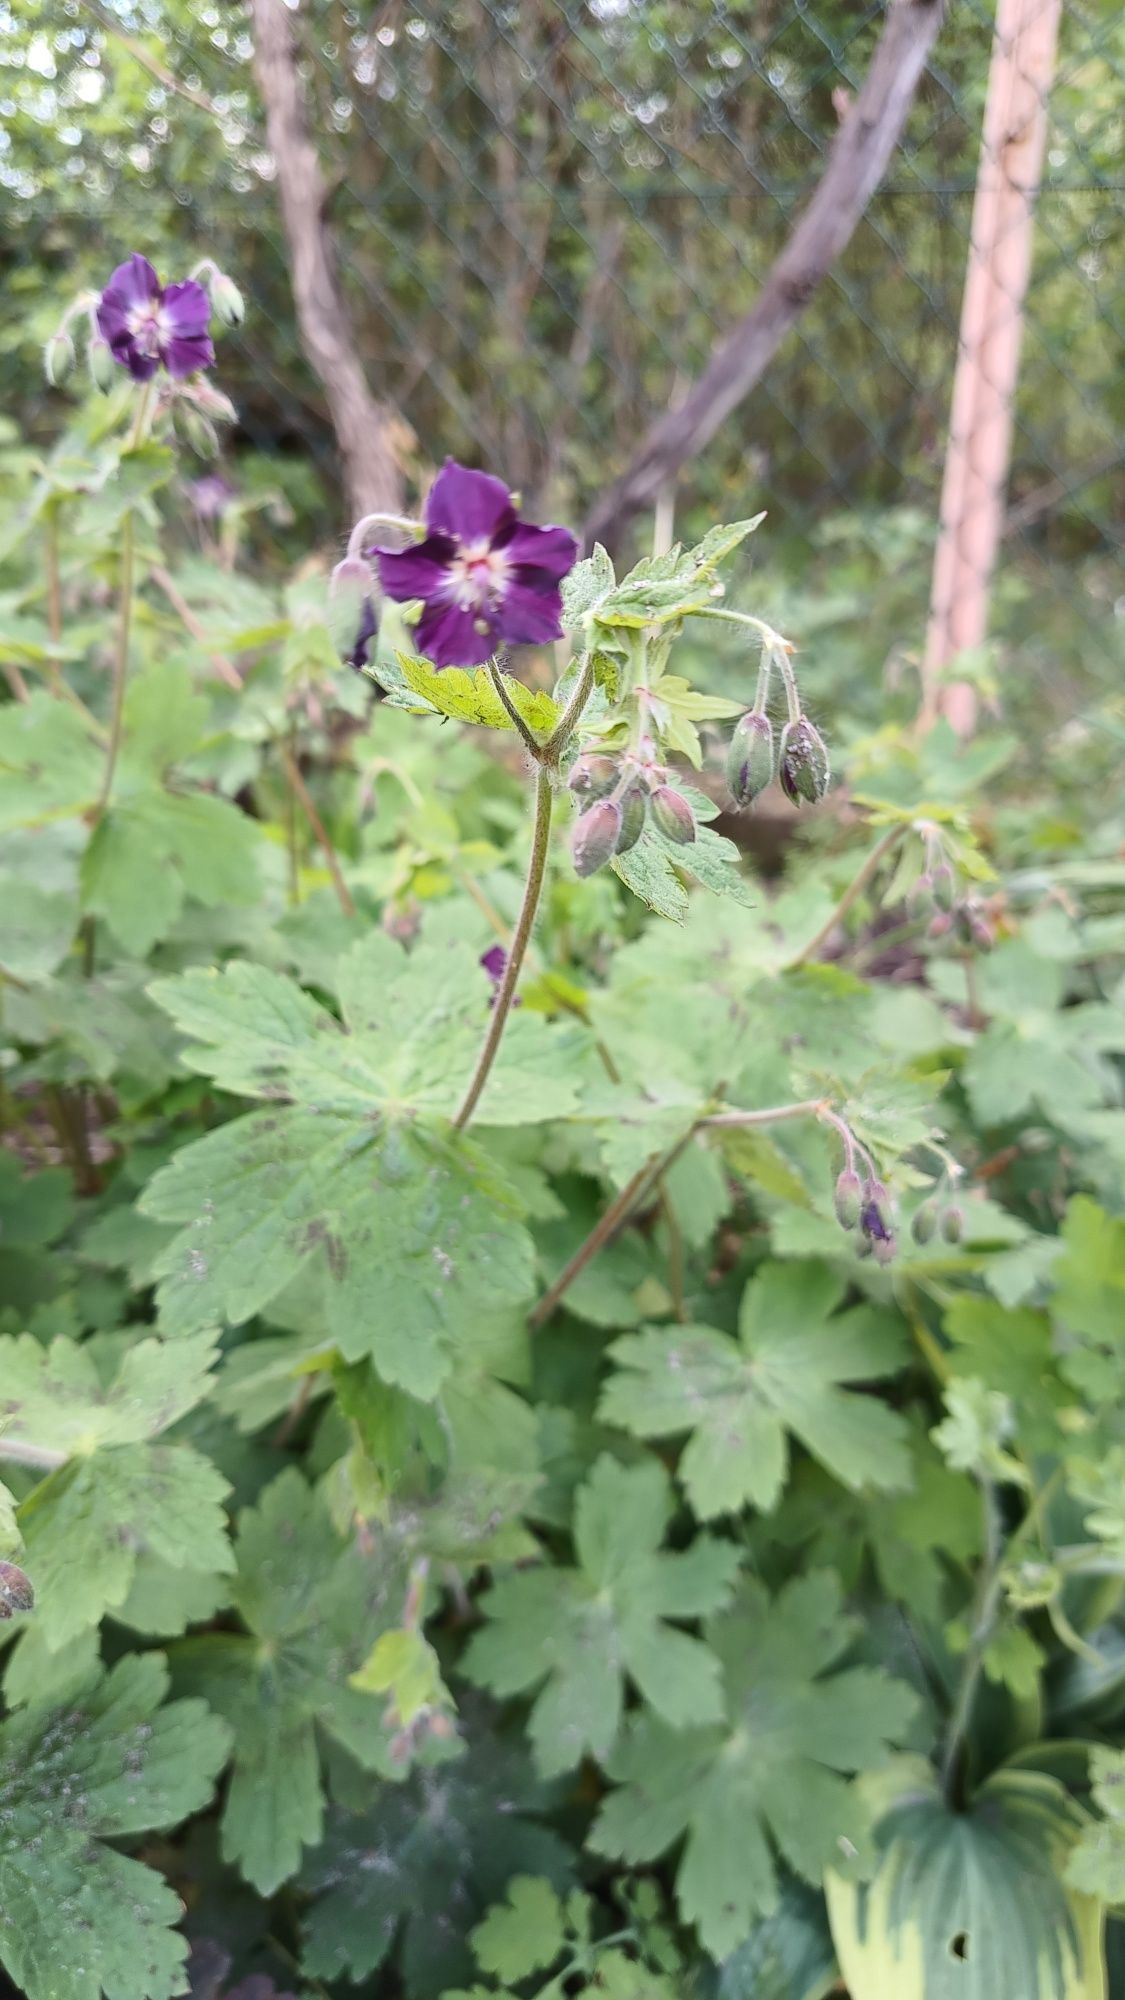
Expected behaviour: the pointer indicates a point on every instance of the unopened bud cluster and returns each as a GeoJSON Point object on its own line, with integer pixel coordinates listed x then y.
{"type": "Point", "coordinates": [863, 1203]}
{"type": "Point", "coordinates": [625, 793]}
{"type": "Point", "coordinates": [956, 916]}
{"type": "Point", "coordinates": [798, 759]}
{"type": "Point", "coordinates": [938, 1217]}
{"type": "Point", "coordinates": [16, 1593]}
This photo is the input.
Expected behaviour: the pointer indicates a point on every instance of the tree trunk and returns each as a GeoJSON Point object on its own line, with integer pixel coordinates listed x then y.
{"type": "Point", "coordinates": [362, 425]}
{"type": "Point", "coordinates": [856, 163]}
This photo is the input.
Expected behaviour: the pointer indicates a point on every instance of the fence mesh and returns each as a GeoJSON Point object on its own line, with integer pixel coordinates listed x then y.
{"type": "Point", "coordinates": [547, 214]}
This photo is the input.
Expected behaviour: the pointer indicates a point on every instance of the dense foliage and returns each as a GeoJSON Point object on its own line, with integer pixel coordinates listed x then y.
{"type": "Point", "coordinates": [541, 1547]}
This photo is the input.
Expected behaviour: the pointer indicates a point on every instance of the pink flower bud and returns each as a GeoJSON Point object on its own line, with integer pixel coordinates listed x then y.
{"type": "Point", "coordinates": [672, 816]}
{"type": "Point", "coordinates": [595, 837]}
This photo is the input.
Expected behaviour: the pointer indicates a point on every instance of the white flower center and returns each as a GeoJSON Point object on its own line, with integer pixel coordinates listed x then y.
{"type": "Point", "coordinates": [150, 328]}
{"type": "Point", "coordinates": [477, 576]}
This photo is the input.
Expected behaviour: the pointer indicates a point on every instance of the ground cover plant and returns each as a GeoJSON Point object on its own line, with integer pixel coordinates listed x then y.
{"type": "Point", "coordinates": [560, 1400]}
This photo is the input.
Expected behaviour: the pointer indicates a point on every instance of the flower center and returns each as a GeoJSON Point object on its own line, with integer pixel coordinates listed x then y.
{"type": "Point", "coordinates": [149, 327]}
{"type": "Point", "coordinates": [477, 577]}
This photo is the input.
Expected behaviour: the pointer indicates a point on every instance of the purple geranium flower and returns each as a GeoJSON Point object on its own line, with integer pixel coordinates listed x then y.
{"type": "Point", "coordinates": [147, 323]}
{"type": "Point", "coordinates": [484, 576]}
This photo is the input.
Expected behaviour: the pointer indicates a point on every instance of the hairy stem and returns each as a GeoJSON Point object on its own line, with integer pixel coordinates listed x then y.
{"type": "Point", "coordinates": [496, 676]}
{"type": "Point", "coordinates": [502, 1006]}
{"type": "Point", "coordinates": [124, 614]}
{"type": "Point", "coordinates": [646, 1181]}
{"type": "Point", "coordinates": [301, 791]}
{"type": "Point", "coordinates": [564, 728]}
{"type": "Point", "coordinates": [851, 895]}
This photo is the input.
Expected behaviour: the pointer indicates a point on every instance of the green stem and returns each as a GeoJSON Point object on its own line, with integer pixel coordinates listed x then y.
{"type": "Point", "coordinates": [536, 870]}
{"type": "Point", "coordinates": [125, 612]}
{"type": "Point", "coordinates": [496, 676]}
{"type": "Point", "coordinates": [851, 895]}
{"type": "Point", "coordinates": [989, 1591]}
{"type": "Point", "coordinates": [646, 1181]}
{"type": "Point", "coordinates": [54, 593]}
{"type": "Point", "coordinates": [564, 728]}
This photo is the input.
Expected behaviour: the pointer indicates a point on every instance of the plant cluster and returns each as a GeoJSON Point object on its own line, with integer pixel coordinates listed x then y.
{"type": "Point", "coordinates": [560, 1407]}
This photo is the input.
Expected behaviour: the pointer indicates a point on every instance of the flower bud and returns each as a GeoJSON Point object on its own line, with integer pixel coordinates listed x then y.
{"type": "Point", "coordinates": [58, 358]}
{"type": "Point", "coordinates": [593, 777]}
{"type": "Point", "coordinates": [883, 1248]}
{"type": "Point", "coordinates": [953, 1223]}
{"type": "Point", "coordinates": [595, 837]}
{"type": "Point", "coordinates": [16, 1593]}
{"type": "Point", "coordinates": [349, 589]}
{"type": "Point", "coordinates": [227, 300]}
{"type": "Point", "coordinates": [803, 763]}
{"type": "Point", "coordinates": [848, 1198]}
{"type": "Point", "coordinates": [940, 925]}
{"type": "Point", "coordinates": [102, 366]}
{"type": "Point", "coordinates": [944, 886]}
{"type": "Point", "coordinates": [876, 1217]}
{"type": "Point", "coordinates": [194, 430]}
{"type": "Point", "coordinates": [963, 923]}
{"type": "Point", "coordinates": [750, 758]}
{"type": "Point", "coordinates": [924, 1223]}
{"type": "Point", "coordinates": [983, 936]}
{"type": "Point", "coordinates": [672, 816]}
{"type": "Point", "coordinates": [633, 808]}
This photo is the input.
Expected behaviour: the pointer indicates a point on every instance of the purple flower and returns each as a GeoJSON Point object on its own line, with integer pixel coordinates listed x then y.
{"type": "Point", "coordinates": [494, 961]}
{"type": "Point", "coordinates": [148, 324]}
{"type": "Point", "coordinates": [368, 626]}
{"type": "Point", "coordinates": [484, 576]}
{"type": "Point", "coordinates": [210, 495]}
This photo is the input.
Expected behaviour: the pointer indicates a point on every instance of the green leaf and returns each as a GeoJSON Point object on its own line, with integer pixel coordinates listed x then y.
{"type": "Point", "coordinates": [9, 1531]}
{"type": "Point", "coordinates": [37, 927]}
{"type": "Point", "coordinates": [522, 1935]}
{"type": "Point", "coordinates": [784, 1374]}
{"type": "Point", "coordinates": [577, 1633]}
{"type": "Point", "coordinates": [772, 1775]}
{"type": "Point", "coordinates": [50, 763]}
{"type": "Point", "coordinates": [413, 1233]}
{"type": "Point", "coordinates": [787, 1956]}
{"type": "Point", "coordinates": [57, 1398]}
{"type": "Point", "coordinates": [1097, 1863]}
{"type": "Point", "coordinates": [586, 588]}
{"type": "Point", "coordinates": [653, 870]}
{"type": "Point", "coordinates": [153, 849]}
{"type": "Point", "coordinates": [86, 1527]}
{"type": "Point", "coordinates": [313, 1608]}
{"type": "Point", "coordinates": [77, 1918]}
{"type": "Point", "coordinates": [969, 1903]}
{"type": "Point", "coordinates": [468, 695]}
{"type": "Point", "coordinates": [421, 1863]}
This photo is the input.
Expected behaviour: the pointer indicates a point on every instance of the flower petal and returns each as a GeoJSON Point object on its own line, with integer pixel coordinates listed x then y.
{"type": "Point", "coordinates": [185, 353]}
{"type": "Point", "coordinates": [420, 571]}
{"type": "Point", "coordinates": [134, 283]}
{"type": "Point", "coordinates": [469, 505]}
{"type": "Point", "coordinates": [368, 626]}
{"type": "Point", "coordinates": [550, 552]}
{"type": "Point", "coordinates": [448, 636]}
{"type": "Point", "coordinates": [528, 616]}
{"type": "Point", "coordinates": [186, 309]}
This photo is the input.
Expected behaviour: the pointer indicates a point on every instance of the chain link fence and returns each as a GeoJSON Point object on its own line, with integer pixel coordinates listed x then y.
{"type": "Point", "coordinates": [547, 214]}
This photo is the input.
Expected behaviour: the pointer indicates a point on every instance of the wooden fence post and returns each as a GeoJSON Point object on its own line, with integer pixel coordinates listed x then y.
{"type": "Point", "coordinates": [975, 479]}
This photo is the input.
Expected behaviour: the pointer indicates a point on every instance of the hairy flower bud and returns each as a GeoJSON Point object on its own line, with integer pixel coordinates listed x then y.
{"type": "Point", "coordinates": [876, 1220]}
{"type": "Point", "coordinates": [924, 1223]}
{"type": "Point", "coordinates": [940, 925]}
{"type": "Point", "coordinates": [803, 762]}
{"type": "Point", "coordinates": [58, 358]}
{"type": "Point", "coordinates": [983, 936]}
{"type": "Point", "coordinates": [227, 300]}
{"type": "Point", "coordinates": [102, 366]}
{"type": "Point", "coordinates": [593, 777]}
{"type": "Point", "coordinates": [672, 815]}
{"type": "Point", "coordinates": [194, 430]}
{"type": "Point", "coordinates": [944, 886]}
{"type": "Point", "coordinates": [16, 1593]}
{"type": "Point", "coordinates": [349, 590]}
{"type": "Point", "coordinates": [953, 1223]}
{"type": "Point", "coordinates": [633, 808]}
{"type": "Point", "coordinates": [595, 837]}
{"type": "Point", "coordinates": [750, 758]}
{"type": "Point", "coordinates": [848, 1198]}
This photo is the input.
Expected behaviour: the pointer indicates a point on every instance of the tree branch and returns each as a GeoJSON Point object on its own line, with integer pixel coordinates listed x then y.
{"type": "Point", "coordinates": [856, 163]}
{"type": "Point", "coordinates": [362, 425]}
